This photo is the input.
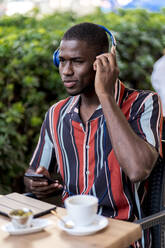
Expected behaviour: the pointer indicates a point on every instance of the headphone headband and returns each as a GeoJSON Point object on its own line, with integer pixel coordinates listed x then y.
{"type": "Point", "coordinates": [56, 53]}
{"type": "Point", "coordinates": [110, 34]}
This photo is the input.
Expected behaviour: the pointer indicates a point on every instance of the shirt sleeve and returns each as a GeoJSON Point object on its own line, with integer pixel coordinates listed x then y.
{"type": "Point", "coordinates": [146, 121]}
{"type": "Point", "coordinates": [157, 80]}
{"type": "Point", "coordinates": [44, 154]}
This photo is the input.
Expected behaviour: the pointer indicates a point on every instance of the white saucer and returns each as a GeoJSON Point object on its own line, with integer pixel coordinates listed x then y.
{"type": "Point", "coordinates": [37, 225]}
{"type": "Point", "coordinates": [98, 224]}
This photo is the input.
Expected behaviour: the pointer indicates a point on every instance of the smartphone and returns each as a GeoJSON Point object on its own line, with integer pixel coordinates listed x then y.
{"type": "Point", "coordinates": [39, 177]}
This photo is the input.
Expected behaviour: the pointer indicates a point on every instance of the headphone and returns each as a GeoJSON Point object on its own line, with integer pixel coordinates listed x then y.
{"type": "Point", "coordinates": [56, 60]}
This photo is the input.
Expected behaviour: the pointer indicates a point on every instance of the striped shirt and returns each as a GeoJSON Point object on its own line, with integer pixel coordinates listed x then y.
{"type": "Point", "coordinates": [84, 154]}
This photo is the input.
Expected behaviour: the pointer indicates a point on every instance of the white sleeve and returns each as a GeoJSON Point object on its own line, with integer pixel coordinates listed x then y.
{"type": "Point", "coordinates": [158, 80]}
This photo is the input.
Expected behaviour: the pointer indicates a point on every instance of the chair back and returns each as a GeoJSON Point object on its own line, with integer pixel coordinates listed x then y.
{"type": "Point", "coordinates": [155, 201]}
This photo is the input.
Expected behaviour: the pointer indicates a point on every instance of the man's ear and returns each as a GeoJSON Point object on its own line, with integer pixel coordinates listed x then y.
{"type": "Point", "coordinates": [94, 66]}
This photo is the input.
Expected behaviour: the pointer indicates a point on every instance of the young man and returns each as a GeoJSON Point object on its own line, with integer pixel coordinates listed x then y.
{"type": "Point", "coordinates": [105, 138]}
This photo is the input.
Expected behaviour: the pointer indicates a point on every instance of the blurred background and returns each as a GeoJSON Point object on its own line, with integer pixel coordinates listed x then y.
{"type": "Point", "coordinates": [10, 7]}
{"type": "Point", "coordinates": [30, 31]}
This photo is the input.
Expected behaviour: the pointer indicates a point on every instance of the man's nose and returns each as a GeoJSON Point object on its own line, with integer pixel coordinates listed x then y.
{"type": "Point", "coordinates": [68, 68]}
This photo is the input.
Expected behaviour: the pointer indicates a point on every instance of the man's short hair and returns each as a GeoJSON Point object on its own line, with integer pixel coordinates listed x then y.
{"type": "Point", "coordinates": [93, 34]}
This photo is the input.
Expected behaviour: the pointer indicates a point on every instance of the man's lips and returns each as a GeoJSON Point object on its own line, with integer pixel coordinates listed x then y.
{"type": "Point", "coordinates": [69, 84]}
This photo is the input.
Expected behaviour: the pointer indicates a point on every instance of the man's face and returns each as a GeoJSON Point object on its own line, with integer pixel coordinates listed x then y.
{"type": "Point", "coordinates": [76, 66]}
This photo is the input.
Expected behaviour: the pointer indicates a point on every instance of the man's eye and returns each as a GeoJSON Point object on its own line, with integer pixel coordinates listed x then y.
{"type": "Point", "coordinates": [78, 61]}
{"type": "Point", "coordinates": [61, 60]}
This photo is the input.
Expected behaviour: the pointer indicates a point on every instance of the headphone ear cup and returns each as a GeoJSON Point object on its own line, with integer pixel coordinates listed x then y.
{"type": "Point", "coordinates": [56, 58]}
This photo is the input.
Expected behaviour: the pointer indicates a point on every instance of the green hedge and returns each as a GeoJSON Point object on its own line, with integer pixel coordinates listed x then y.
{"type": "Point", "coordinates": [29, 83]}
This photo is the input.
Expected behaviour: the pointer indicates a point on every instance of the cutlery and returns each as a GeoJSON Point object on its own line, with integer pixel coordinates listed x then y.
{"type": "Point", "coordinates": [68, 224]}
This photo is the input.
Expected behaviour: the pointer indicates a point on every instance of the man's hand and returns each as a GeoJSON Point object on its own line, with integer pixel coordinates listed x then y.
{"type": "Point", "coordinates": [41, 188]}
{"type": "Point", "coordinates": [107, 73]}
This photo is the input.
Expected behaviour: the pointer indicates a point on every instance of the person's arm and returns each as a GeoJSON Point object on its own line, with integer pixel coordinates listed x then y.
{"type": "Point", "coordinates": [135, 156]}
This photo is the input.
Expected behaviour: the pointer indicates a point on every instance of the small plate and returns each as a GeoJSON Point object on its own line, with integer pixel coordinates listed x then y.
{"type": "Point", "coordinates": [37, 225]}
{"type": "Point", "coordinates": [98, 224]}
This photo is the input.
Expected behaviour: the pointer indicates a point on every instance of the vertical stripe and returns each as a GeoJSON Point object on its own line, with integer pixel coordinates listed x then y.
{"type": "Point", "coordinates": [86, 156]}
{"type": "Point", "coordinates": [117, 188]}
{"type": "Point", "coordinates": [37, 153]}
{"type": "Point", "coordinates": [56, 117]}
{"type": "Point", "coordinates": [126, 107]}
{"type": "Point", "coordinates": [145, 121]}
{"type": "Point", "coordinates": [79, 138]}
{"type": "Point", "coordinates": [91, 155]}
{"type": "Point", "coordinates": [159, 126]}
{"type": "Point", "coordinates": [35, 161]}
{"type": "Point", "coordinates": [76, 156]}
{"type": "Point", "coordinates": [121, 90]}
{"type": "Point", "coordinates": [108, 180]}
{"type": "Point", "coordinates": [47, 152]}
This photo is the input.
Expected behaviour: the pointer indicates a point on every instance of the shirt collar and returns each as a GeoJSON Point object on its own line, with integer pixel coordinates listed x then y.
{"type": "Point", "coordinates": [75, 100]}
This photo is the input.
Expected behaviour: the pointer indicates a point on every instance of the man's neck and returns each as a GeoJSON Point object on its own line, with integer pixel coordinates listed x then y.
{"type": "Point", "coordinates": [88, 105]}
{"type": "Point", "coordinates": [89, 100]}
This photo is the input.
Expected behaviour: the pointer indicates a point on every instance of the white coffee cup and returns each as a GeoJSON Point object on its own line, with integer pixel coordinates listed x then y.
{"type": "Point", "coordinates": [82, 209]}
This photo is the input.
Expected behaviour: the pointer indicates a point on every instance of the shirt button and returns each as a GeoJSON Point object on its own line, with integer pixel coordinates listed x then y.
{"type": "Point", "coordinates": [87, 172]}
{"type": "Point", "coordinates": [87, 147]}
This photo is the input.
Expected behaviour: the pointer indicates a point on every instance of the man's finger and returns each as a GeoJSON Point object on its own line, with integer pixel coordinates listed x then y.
{"type": "Point", "coordinates": [113, 53]}
{"type": "Point", "coordinates": [113, 50]}
{"type": "Point", "coordinates": [40, 170]}
{"type": "Point", "coordinates": [39, 183]}
{"type": "Point", "coordinates": [43, 170]}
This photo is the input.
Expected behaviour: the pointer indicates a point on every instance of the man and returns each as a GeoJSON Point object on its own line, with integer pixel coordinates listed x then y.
{"type": "Point", "coordinates": [105, 138]}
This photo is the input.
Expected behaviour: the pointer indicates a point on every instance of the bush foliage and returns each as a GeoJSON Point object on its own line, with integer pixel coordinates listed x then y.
{"type": "Point", "coordinates": [29, 83]}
